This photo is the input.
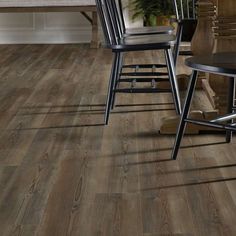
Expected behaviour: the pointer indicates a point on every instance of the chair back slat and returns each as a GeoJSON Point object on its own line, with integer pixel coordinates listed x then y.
{"type": "Point", "coordinates": [116, 7]}
{"type": "Point", "coordinates": [107, 22]}
{"type": "Point", "coordinates": [176, 9]}
{"type": "Point", "coordinates": [188, 9]}
{"type": "Point", "coordinates": [182, 9]}
{"type": "Point", "coordinates": [115, 18]}
{"type": "Point", "coordinates": [185, 9]}
{"type": "Point", "coordinates": [122, 20]}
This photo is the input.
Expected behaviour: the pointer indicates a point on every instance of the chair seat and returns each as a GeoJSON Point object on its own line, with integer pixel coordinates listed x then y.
{"type": "Point", "coordinates": [219, 63]}
{"type": "Point", "coordinates": [149, 30]}
{"type": "Point", "coordinates": [149, 42]}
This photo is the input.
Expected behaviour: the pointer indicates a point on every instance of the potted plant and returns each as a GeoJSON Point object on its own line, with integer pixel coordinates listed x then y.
{"type": "Point", "coordinates": [153, 11]}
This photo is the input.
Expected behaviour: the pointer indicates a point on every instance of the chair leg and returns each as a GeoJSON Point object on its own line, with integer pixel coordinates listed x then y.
{"type": "Point", "coordinates": [231, 97]}
{"type": "Point", "coordinates": [173, 80]}
{"type": "Point", "coordinates": [184, 115]}
{"type": "Point", "coordinates": [110, 87]}
{"type": "Point", "coordinates": [117, 77]}
{"type": "Point", "coordinates": [178, 41]}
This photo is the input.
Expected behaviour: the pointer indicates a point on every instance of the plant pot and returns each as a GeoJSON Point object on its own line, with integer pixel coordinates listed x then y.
{"type": "Point", "coordinates": [153, 20]}
{"type": "Point", "coordinates": [163, 20]}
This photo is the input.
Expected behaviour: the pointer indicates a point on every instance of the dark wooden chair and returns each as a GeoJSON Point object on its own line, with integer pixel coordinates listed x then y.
{"type": "Point", "coordinates": [119, 45]}
{"type": "Point", "coordinates": [187, 21]}
{"type": "Point", "coordinates": [219, 63]}
{"type": "Point", "coordinates": [146, 70]}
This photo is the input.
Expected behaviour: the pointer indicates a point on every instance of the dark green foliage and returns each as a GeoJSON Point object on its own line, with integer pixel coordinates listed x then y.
{"type": "Point", "coordinates": [145, 8]}
{"type": "Point", "coordinates": [148, 9]}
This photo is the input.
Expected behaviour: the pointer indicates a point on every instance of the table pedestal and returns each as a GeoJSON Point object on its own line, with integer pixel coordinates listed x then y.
{"type": "Point", "coordinates": [224, 28]}
{"type": "Point", "coordinates": [202, 43]}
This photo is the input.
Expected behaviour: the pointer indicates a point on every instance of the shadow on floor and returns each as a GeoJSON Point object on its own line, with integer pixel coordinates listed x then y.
{"type": "Point", "coordinates": [93, 112]}
{"type": "Point", "coordinates": [160, 150]}
{"type": "Point", "coordinates": [96, 105]}
{"type": "Point", "coordinates": [58, 127]}
{"type": "Point", "coordinates": [190, 184]}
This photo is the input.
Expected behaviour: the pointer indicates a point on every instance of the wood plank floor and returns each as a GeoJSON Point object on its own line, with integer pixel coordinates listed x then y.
{"type": "Point", "coordinates": [63, 173]}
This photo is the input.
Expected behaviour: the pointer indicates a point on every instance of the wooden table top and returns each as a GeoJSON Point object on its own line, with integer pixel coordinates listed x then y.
{"type": "Point", "coordinates": [218, 63]}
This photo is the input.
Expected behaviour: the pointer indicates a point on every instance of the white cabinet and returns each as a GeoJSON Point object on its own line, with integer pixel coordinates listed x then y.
{"type": "Point", "coordinates": [44, 28]}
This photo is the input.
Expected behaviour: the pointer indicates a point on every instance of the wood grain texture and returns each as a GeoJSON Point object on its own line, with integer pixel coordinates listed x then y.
{"type": "Point", "coordinates": [62, 172]}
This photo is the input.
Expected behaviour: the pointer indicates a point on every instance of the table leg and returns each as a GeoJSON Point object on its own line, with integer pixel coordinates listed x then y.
{"type": "Point", "coordinates": [95, 42]}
